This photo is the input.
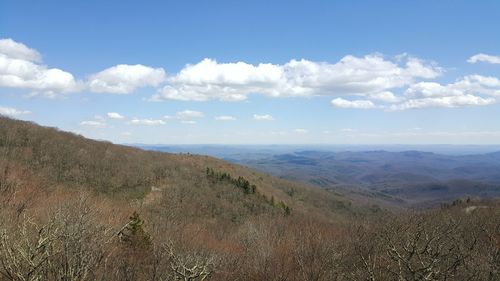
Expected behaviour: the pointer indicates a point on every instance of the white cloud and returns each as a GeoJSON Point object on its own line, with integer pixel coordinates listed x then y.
{"type": "Point", "coordinates": [479, 84]}
{"type": "Point", "coordinates": [9, 111]}
{"type": "Point", "coordinates": [355, 104]}
{"type": "Point", "coordinates": [448, 101]}
{"type": "Point", "coordinates": [225, 118]}
{"type": "Point", "coordinates": [301, 131]}
{"type": "Point", "coordinates": [185, 117]}
{"type": "Point", "coordinates": [124, 79]}
{"type": "Point", "coordinates": [265, 117]}
{"type": "Point", "coordinates": [115, 115]}
{"type": "Point", "coordinates": [484, 58]}
{"type": "Point", "coordinates": [16, 50]}
{"type": "Point", "coordinates": [19, 68]}
{"type": "Point", "coordinates": [364, 82]}
{"type": "Point", "coordinates": [147, 122]}
{"type": "Point", "coordinates": [415, 68]}
{"type": "Point", "coordinates": [188, 114]}
{"type": "Point", "coordinates": [15, 73]}
{"type": "Point", "coordinates": [472, 84]}
{"type": "Point", "coordinates": [385, 96]}
{"type": "Point", "coordinates": [93, 123]}
{"type": "Point", "coordinates": [363, 76]}
{"type": "Point", "coordinates": [432, 89]}
{"type": "Point", "coordinates": [472, 90]}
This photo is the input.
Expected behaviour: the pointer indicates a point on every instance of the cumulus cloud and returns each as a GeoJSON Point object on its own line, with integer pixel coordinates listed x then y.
{"type": "Point", "coordinates": [448, 101]}
{"type": "Point", "coordinates": [188, 122]}
{"type": "Point", "coordinates": [115, 115]}
{"type": "Point", "coordinates": [225, 118]}
{"type": "Point", "coordinates": [93, 123]}
{"type": "Point", "coordinates": [484, 58]}
{"type": "Point", "coordinates": [432, 89]}
{"type": "Point", "coordinates": [371, 81]}
{"type": "Point", "coordinates": [472, 90]}
{"type": "Point", "coordinates": [124, 79]}
{"type": "Point", "coordinates": [385, 96]}
{"type": "Point", "coordinates": [355, 82]}
{"type": "Point", "coordinates": [264, 117]}
{"type": "Point", "coordinates": [20, 68]}
{"type": "Point", "coordinates": [16, 50]}
{"type": "Point", "coordinates": [147, 122]}
{"type": "Point", "coordinates": [486, 85]}
{"type": "Point", "coordinates": [368, 75]}
{"type": "Point", "coordinates": [13, 112]}
{"type": "Point", "coordinates": [356, 104]}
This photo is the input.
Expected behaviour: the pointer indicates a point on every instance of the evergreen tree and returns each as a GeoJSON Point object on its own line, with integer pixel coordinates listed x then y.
{"type": "Point", "coordinates": [134, 234]}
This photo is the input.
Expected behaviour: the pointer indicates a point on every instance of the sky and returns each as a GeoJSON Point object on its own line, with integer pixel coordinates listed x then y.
{"type": "Point", "coordinates": [255, 72]}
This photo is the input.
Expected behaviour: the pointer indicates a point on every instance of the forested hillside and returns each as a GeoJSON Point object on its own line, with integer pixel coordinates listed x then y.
{"type": "Point", "coordinates": [404, 178]}
{"type": "Point", "coordinates": [56, 159]}
{"type": "Point", "coordinates": [78, 209]}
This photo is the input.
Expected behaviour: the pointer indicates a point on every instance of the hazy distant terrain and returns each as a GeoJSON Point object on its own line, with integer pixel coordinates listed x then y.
{"type": "Point", "coordinates": [402, 177]}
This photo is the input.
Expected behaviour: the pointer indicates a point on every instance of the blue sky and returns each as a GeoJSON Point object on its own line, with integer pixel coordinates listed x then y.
{"type": "Point", "coordinates": [255, 72]}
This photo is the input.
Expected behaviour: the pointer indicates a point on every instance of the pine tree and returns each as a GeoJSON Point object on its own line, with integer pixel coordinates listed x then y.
{"type": "Point", "coordinates": [134, 234]}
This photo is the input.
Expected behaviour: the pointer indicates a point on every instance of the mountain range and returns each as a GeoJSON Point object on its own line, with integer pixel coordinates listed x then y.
{"type": "Point", "coordinates": [402, 178]}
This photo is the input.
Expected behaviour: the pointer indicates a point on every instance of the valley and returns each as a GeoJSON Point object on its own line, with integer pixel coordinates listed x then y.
{"type": "Point", "coordinates": [398, 177]}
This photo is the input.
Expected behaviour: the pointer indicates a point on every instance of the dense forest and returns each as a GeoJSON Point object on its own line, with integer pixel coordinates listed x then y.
{"type": "Point", "coordinates": [78, 209]}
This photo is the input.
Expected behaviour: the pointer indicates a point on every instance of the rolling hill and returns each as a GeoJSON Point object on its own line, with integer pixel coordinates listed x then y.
{"type": "Point", "coordinates": [406, 178]}
{"type": "Point", "coordinates": [79, 209]}
{"type": "Point", "coordinates": [55, 159]}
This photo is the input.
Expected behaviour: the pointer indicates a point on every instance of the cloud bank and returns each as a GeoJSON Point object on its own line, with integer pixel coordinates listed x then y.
{"type": "Point", "coordinates": [371, 75]}
{"type": "Point", "coordinates": [21, 67]}
{"type": "Point", "coordinates": [365, 82]}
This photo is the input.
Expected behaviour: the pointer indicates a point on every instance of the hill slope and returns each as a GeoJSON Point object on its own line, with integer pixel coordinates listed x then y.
{"type": "Point", "coordinates": [78, 209]}
{"type": "Point", "coordinates": [405, 178]}
{"type": "Point", "coordinates": [54, 159]}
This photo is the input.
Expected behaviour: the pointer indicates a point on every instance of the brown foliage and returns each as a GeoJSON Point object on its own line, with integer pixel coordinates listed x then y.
{"type": "Point", "coordinates": [75, 209]}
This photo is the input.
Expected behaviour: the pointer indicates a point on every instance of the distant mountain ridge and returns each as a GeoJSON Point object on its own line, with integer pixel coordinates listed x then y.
{"type": "Point", "coordinates": [409, 176]}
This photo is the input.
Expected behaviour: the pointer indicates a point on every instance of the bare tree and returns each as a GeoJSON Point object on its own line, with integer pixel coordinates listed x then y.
{"type": "Point", "coordinates": [80, 241]}
{"type": "Point", "coordinates": [26, 250]}
{"type": "Point", "coordinates": [426, 247]}
{"type": "Point", "coordinates": [190, 266]}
